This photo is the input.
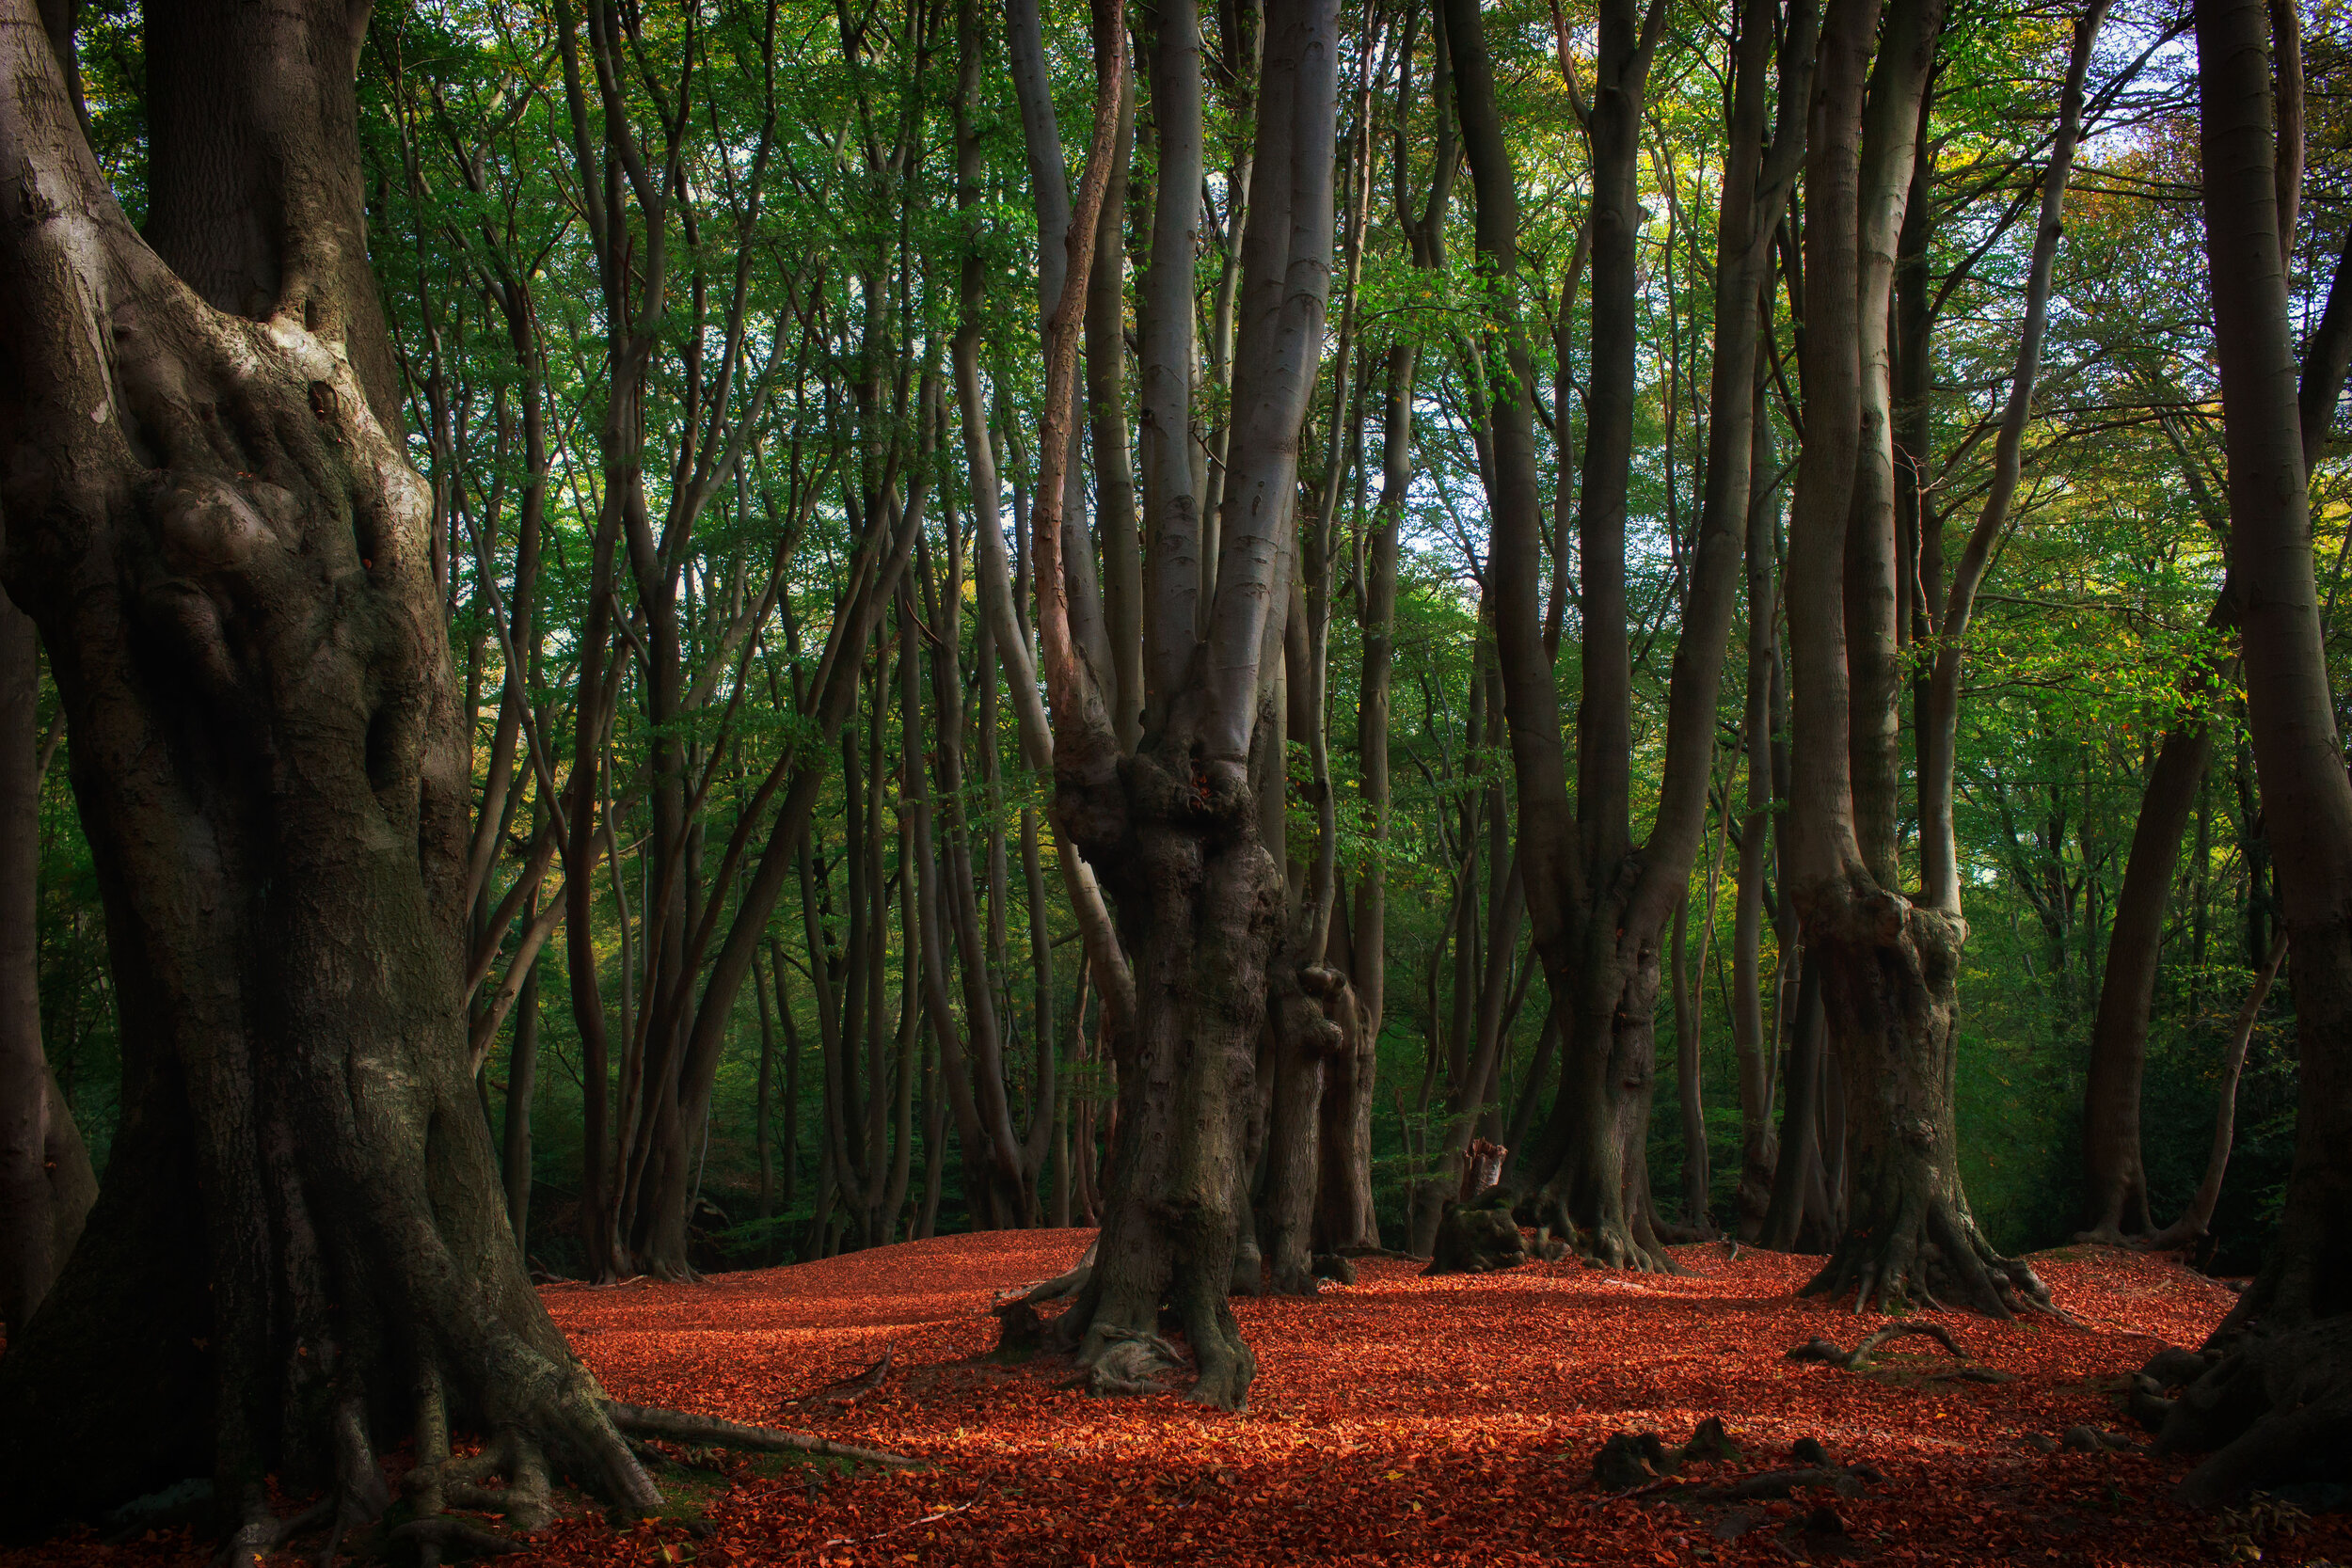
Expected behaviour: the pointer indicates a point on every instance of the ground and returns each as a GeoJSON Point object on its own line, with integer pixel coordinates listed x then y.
{"type": "Point", "coordinates": [1398, 1419]}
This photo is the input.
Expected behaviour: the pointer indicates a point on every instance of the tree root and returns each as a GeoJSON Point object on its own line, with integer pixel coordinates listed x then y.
{"type": "Point", "coordinates": [358, 1497]}
{"type": "Point", "coordinates": [1131, 1364]}
{"type": "Point", "coordinates": [2273, 1411]}
{"type": "Point", "coordinates": [263, 1532]}
{"type": "Point", "coordinates": [846, 1392]}
{"type": "Point", "coordinates": [1637, 1463]}
{"type": "Point", "coordinates": [1930, 1256]}
{"type": "Point", "coordinates": [1858, 1359]}
{"type": "Point", "coordinates": [1477, 1238]}
{"type": "Point", "coordinates": [639, 1420]}
{"type": "Point", "coordinates": [1335, 1267]}
{"type": "Point", "coordinates": [1019, 1326]}
{"type": "Point", "coordinates": [1847, 1480]}
{"type": "Point", "coordinates": [1607, 1247]}
{"type": "Point", "coordinates": [1630, 1460]}
{"type": "Point", "coordinates": [443, 1480]}
{"type": "Point", "coordinates": [435, 1534]}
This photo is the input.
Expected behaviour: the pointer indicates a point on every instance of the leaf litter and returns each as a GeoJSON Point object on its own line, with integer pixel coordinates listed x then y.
{"type": "Point", "coordinates": [1399, 1419]}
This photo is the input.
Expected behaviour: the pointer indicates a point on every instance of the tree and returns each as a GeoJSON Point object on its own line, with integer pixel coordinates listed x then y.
{"type": "Point", "coordinates": [300, 1247]}
{"type": "Point", "coordinates": [1889, 963]}
{"type": "Point", "coordinates": [2277, 1403]}
{"type": "Point", "coordinates": [1173, 824]}
{"type": "Point", "coordinates": [1601, 902]}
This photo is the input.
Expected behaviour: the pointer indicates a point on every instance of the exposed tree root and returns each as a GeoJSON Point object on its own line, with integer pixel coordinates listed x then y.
{"type": "Point", "coordinates": [1131, 1364]}
{"type": "Point", "coordinates": [640, 1421]}
{"type": "Point", "coordinates": [1639, 1464]}
{"type": "Point", "coordinates": [1847, 1480]}
{"type": "Point", "coordinates": [526, 1503]}
{"type": "Point", "coordinates": [263, 1532]}
{"type": "Point", "coordinates": [1335, 1267]}
{"type": "Point", "coordinates": [435, 1534]}
{"type": "Point", "coordinates": [1858, 1359]}
{"type": "Point", "coordinates": [846, 1392]}
{"type": "Point", "coordinates": [1614, 1245]}
{"type": "Point", "coordinates": [1020, 1327]}
{"type": "Point", "coordinates": [1630, 1460]}
{"type": "Point", "coordinates": [1928, 1253]}
{"type": "Point", "coordinates": [1478, 1237]}
{"type": "Point", "coordinates": [2272, 1409]}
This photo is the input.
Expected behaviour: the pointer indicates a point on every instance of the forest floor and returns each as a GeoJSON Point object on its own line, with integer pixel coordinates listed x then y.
{"type": "Point", "coordinates": [1398, 1419]}
{"type": "Point", "coordinates": [1418, 1420]}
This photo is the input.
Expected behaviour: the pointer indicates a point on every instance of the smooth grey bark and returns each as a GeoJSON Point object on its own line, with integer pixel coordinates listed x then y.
{"type": "Point", "coordinates": [1889, 964]}
{"type": "Point", "coordinates": [1599, 903]}
{"type": "Point", "coordinates": [522, 1079]}
{"type": "Point", "coordinates": [1756, 1051]}
{"type": "Point", "coordinates": [1173, 827]}
{"type": "Point", "coordinates": [2115, 1179]}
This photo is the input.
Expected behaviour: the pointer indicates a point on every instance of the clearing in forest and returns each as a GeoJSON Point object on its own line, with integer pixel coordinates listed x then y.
{"type": "Point", "coordinates": [1417, 1420]}
{"type": "Point", "coordinates": [1398, 1419]}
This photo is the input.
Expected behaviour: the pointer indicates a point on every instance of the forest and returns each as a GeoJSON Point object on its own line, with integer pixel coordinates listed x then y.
{"type": "Point", "coordinates": [1577, 639]}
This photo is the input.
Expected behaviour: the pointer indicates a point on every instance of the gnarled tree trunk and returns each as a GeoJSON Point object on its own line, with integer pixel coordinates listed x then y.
{"type": "Point", "coordinates": [1599, 902]}
{"type": "Point", "coordinates": [1174, 823]}
{"type": "Point", "coordinates": [300, 1249]}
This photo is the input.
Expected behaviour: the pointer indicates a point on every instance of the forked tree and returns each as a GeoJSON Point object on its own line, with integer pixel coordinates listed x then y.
{"type": "Point", "coordinates": [1601, 902]}
{"type": "Point", "coordinates": [1888, 963]}
{"type": "Point", "coordinates": [1172, 822]}
{"type": "Point", "coordinates": [300, 1251]}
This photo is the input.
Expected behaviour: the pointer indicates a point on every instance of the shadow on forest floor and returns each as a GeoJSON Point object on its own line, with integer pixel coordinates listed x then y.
{"type": "Point", "coordinates": [1399, 1419]}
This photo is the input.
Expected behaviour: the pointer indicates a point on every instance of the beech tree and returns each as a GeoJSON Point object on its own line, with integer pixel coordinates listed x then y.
{"type": "Point", "coordinates": [300, 1250]}
{"type": "Point", "coordinates": [1173, 825]}
{"type": "Point", "coordinates": [1600, 904]}
{"type": "Point", "coordinates": [2277, 1402]}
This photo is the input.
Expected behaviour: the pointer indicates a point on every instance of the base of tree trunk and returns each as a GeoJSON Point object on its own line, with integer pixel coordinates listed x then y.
{"type": "Point", "coordinates": [2271, 1411]}
{"type": "Point", "coordinates": [1912, 1252]}
{"type": "Point", "coordinates": [1890, 987]}
{"type": "Point", "coordinates": [1478, 1237]}
{"type": "Point", "coordinates": [1200, 906]}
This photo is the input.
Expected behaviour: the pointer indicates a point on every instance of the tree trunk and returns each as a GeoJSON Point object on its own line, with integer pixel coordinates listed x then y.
{"type": "Point", "coordinates": [1758, 1149]}
{"type": "Point", "coordinates": [522, 1079]}
{"type": "Point", "coordinates": [45, 1181]}
{"type": "Point", "coordinates": [1687, 1000]}
{"type": "Point", "coordinates": [1600, 905]}
{"type": "Point", "coordinates": [1174, 825]}
{"type": "Point", "coordinates": [2191, 1226]}
{"type": "Point", "coordinates": [2115, 1184]}
{"type": "Point", "coordinates": [300, 1247]}
{"type": "Point", "coordinates": [763, 1100]}
{"type": "Point", "coordinates": [2277, 1406]}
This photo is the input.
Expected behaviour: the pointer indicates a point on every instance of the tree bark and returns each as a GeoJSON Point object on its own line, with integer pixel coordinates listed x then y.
{"type": "Point", "coordinates": [1599, 904]}
{"type": "Point", "coordinates": [2115, 1183]}
{"type": "Point", "coordinates": [1890, 965]}
{"type": "Point", "coordinates": [1758, 1148]}
{"type": "Point", "coordinates": [1174, 825]}
{"type": "Point", "coordinates": [45, 1181]}
{"type": "Point", "coordinates": [300, 1233]}
{"type": "Point", "coordinates": [522, 1079]}
{"type": "Point", "coordinates": [2277, 1407]}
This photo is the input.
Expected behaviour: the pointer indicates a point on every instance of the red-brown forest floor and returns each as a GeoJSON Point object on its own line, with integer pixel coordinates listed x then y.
{"type": "Point", "coordinates": [1400, 1421]}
